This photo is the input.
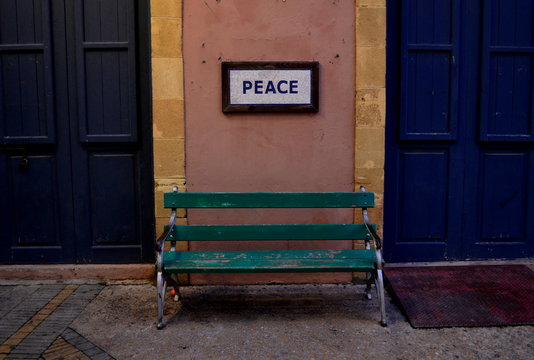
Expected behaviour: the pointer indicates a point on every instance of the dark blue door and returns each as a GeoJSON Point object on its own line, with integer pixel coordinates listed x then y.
{"type": "Point", "coordinates": [460, 130]}
{"type": "Point", "coordinates": [74, 153]}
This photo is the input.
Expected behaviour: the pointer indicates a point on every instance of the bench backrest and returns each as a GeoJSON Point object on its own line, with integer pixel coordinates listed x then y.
{"type": "Point", "coordinates": [269, 231]}
{"type": "Point", "coordinates": [269, 200]}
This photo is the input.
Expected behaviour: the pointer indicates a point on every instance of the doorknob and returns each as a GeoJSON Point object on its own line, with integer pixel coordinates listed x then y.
{"type": "Point", "coordinates": [24, 163]}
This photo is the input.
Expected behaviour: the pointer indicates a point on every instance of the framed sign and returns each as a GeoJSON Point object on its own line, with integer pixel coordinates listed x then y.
{"type": "Point", "coordinates": [270, 87]}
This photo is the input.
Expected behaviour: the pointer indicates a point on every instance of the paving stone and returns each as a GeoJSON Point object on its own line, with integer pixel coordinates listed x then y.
{"type": "Point", "coordinates": [23, 356]}
{"type": "Point", "coordinates": [61, 349]}
{"type": "Point", "coordinates": [102, 356]}
{"type": "Point", "coordinates": [11, 296]}
{"type": "Point", "coordinates": [93, 350]}
{"type": "Point", "coordinates": [50, 328]}
{"type": "Point", "coordinates": [87, 347]}
{"type": "Point", "coordinates": [28, 307]}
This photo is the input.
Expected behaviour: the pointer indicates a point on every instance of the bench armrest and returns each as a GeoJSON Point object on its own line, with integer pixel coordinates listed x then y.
{"type": "Point", "coordinates": [370, 229]}
{"type": "Point", "coordinates": [160, 242]}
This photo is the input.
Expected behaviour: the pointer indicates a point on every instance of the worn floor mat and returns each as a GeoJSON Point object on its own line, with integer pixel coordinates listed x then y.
{"type": "Point", "coordinates": [464, 295]}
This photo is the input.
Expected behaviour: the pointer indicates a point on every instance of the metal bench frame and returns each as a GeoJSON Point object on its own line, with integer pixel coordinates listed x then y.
{"type": "Point", "coordinates": [167, 276]}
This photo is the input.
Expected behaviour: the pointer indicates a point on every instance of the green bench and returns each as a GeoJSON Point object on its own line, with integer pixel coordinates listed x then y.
{"type": "Point", "coordinates": [172, 262]}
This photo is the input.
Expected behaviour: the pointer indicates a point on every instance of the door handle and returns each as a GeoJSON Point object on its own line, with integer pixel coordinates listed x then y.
{"type": "Point", "coordinates": [24, 163]}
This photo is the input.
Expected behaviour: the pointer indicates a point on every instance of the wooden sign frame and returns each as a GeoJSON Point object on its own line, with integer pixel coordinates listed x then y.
{"type": "Point", "coordinates": [309, 106]}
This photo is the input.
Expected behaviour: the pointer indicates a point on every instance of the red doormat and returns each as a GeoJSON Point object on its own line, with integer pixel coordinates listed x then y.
{"type": "Point", "coordinates": [464, 295]}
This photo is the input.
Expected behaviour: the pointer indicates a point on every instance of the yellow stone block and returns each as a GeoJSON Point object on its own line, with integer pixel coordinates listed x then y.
{"type": "Point", "coordinates": [376, 216]}
{"type": "Point", "coordinates": [163, 186]}
{"type": "Point", "coordinates": [370, 114]}
{"type": "Point", "coordinates": [379, 199]}
{"type": "Point", "coordinates": [371, 95]}
{"type": "Point", "coordinates": [166, 37]}
{"type": "Point", "coordinates": [370, 67]}
{"type": "Point", "coordinates": [372, 179]}
{"type": "Point", "coordinates": [168, 116]}
{"type": "Point", "coordinates": [169, 160]}
{"type": "Point", "coordinates": [370, 139]}
{"type": "Point", "coordinates": [369, 159]}
{"type": "Point", "coordinates": [167, 185]}
{"type": "Point", "coordinates": [371, 27]}
{"type": "Point", "coordinates": [166, 8]}
{"type": "Point", "coordinates": [370, 3]}
{"type": "Point", "coordinates": [167, 78]}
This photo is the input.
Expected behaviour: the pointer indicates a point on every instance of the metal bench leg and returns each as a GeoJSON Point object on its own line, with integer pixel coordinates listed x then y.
{"type": "Point", "coordinates": [162, 288]}
{"type": "Point", "coordinates": [173, 280]}
{"type": "Point", "coordinates": [381, 296]}
{"type": "Point", "coordinates": [369, 279]}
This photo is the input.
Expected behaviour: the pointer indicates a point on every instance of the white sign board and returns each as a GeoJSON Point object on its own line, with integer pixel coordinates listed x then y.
{"type": "Point", "coordinates": [258, 87]}
{"type": "Point", "coordinates": [274, 87]}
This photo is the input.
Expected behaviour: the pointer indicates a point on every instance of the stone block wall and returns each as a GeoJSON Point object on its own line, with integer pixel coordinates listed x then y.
{"type": "Point", "coordinates": [370, 102]}
{"type": "Point", "coordinates": [168, 101]}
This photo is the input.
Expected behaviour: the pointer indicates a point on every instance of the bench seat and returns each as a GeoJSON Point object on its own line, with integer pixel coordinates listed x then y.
{"type": "Point", "coordinates": [266, 261]}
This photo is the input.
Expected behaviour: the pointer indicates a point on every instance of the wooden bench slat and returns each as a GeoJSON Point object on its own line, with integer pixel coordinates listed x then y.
{"type": "Point", "coordinates": [271, 254]}
{"type": "Point", "coordinates": [261, 261]}
{"type": "Point", "coordinates": [268, 232]}
{"type": "Point", "coordinates": [269, 200]}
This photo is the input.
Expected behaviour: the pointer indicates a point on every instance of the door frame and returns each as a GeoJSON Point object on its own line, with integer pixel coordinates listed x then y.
{"type": "Point", "coordinates": [144, 79]}
{"type": "Point", "coordinates": [393, 67]}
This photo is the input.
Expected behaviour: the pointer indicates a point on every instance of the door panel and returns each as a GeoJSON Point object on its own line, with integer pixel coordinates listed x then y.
{"type": "Point", "coordinates": [424, 176]}
{"type": "Point", "coordinates": [431, 21]}
{"type": "Point", "coordinates": [427, 109]}
{"type": "Point", "coordinates": [503, 199]}
{"type": "Point", "coordinates": [26, 91]}
{"type": "Point", "coordinates": [36, 223]}
{"type": "Point", "coordinates": [111, 162]}
{"type": "Point", "coordinates": [76, 169]}
{"type": "Point", "coordinates": [503, 159]}
{"type": "Point", "coordinates": [115, 198]}
{"type": "Point", "coordinates": [105, 47]}
{"type": "Point", "coordinates": [428, 95]}
{"type": "Point", "coordinates": [43, 229]}
{"type": "Point", "coordinates": [460, 186]}
{"type": "Point", "coordinates": [421, 191]}
{"type": "Point", "coordinates": [508, 110]}
{"type": "Point", "coordinates": [508, 75]}
{"type": "Point", "coordinates": [504, 206]}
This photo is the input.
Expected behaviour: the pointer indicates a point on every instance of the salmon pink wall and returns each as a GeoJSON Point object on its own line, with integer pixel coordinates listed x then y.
{"type": "Point", "coordinates": [269, 152]}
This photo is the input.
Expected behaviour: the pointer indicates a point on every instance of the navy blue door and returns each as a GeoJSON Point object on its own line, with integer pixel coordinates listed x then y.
{"type": "Point", "coordinates": [74, 153]}
{"type": "Point", "coordinates": [460, 130]}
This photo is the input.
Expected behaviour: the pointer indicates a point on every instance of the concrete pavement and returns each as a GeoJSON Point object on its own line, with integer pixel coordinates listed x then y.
{"type": "Point", "coordinates": [51, 320]}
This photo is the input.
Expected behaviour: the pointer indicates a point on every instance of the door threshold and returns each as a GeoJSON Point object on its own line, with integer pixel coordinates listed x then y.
{"type": "Point", "coordinates": [528, 262]}
{"type": "Point", "coordinates": [78, 273]}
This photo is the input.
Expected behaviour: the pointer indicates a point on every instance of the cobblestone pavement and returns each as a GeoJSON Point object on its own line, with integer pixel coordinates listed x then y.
{"type": "Point", "coordinates": [35, 319]}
